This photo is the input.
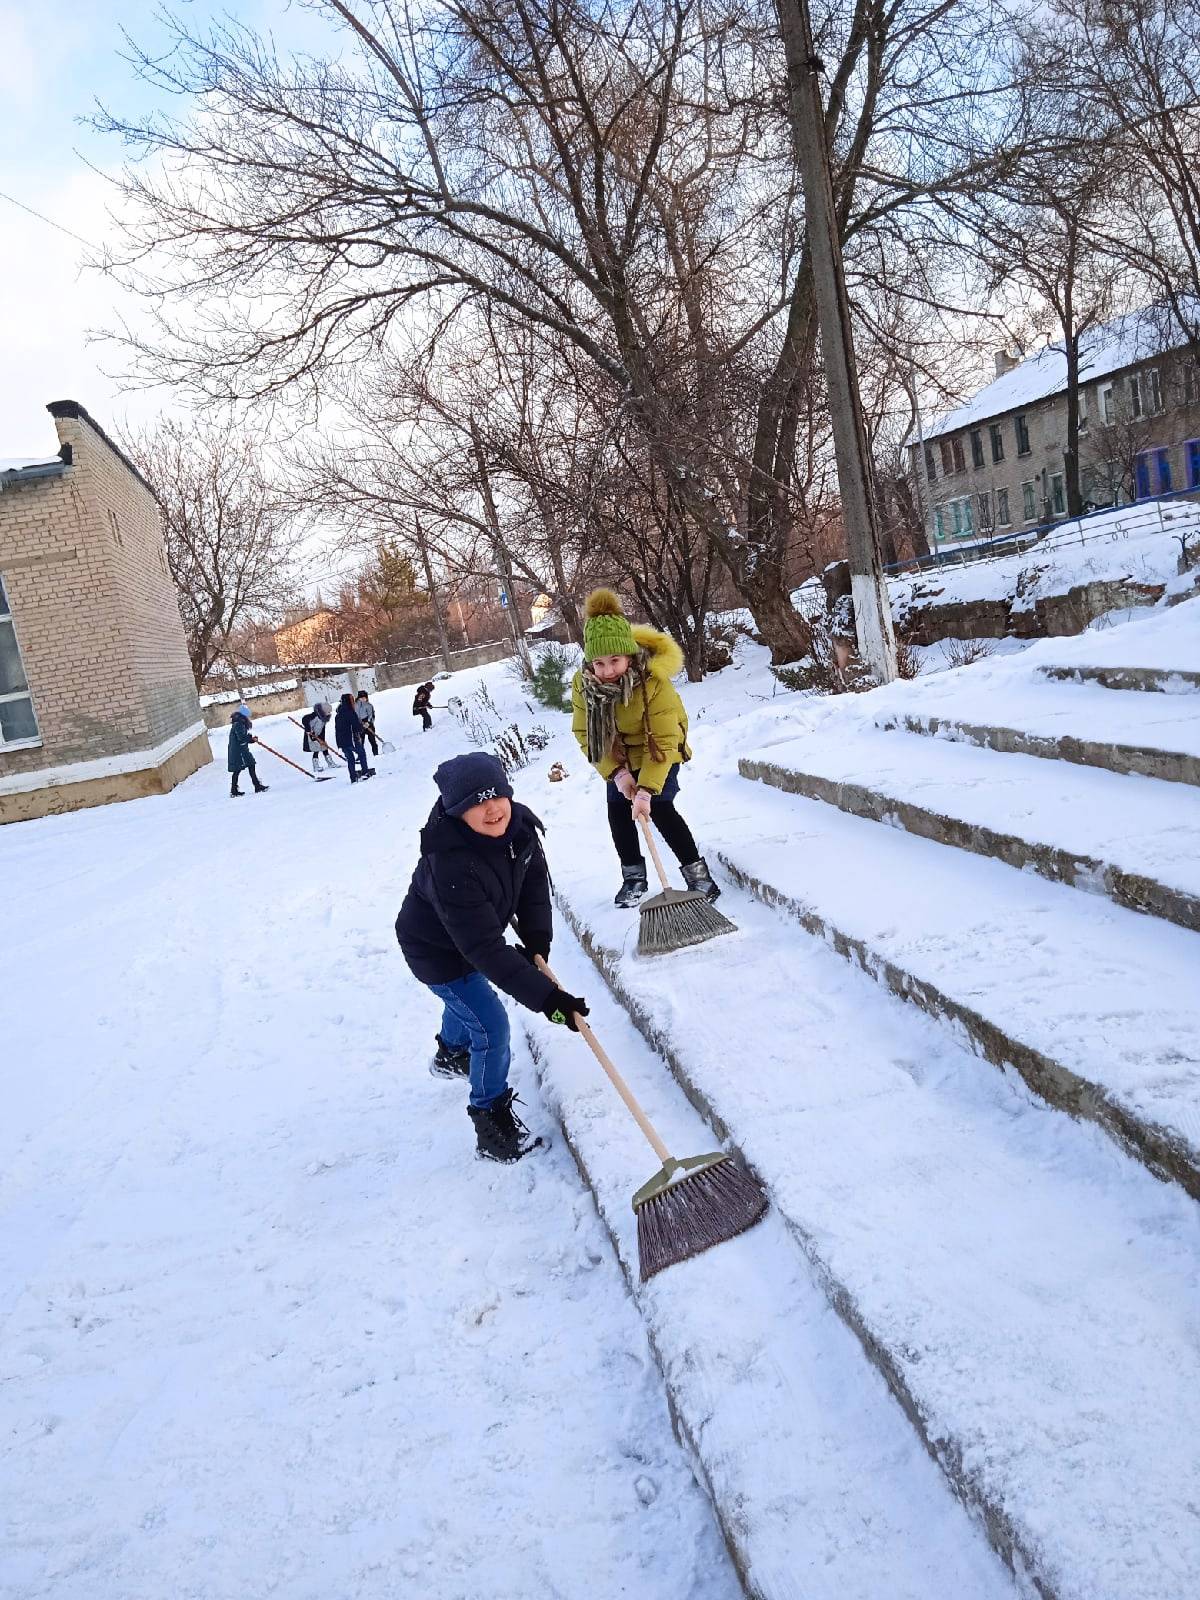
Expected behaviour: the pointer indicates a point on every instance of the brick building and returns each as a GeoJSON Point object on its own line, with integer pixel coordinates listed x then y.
{"type": "Point", "coordinates": [97, 699]}
{"type": "Point", "coordinates": [995, 465]}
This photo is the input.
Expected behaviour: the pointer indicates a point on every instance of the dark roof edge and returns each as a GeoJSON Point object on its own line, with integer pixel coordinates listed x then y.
{"type": "Point", "coordinates": [78, 413]}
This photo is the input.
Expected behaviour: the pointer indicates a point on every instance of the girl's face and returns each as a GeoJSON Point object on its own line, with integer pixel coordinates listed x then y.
{"type": "Point", "coordinates": [490, 818]}
{"type": "Point", "coordinates": [609, 668]}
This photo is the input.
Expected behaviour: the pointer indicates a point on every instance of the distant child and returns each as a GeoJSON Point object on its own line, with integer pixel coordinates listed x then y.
{"type": "Point", "coordinates": [421, 706]}
{"type": "Point", "coordinates": [314, 725]}
{"type": "Point", "coordinates": [366, 715]}
{"type": "Point", "coordinates": [349, 735]}
{"type": "Point", "coordinates": [481, 866]}
{"type": "Point", "coordinates": [632, 727]}
{"type": "Point", "coordinates": [240, 740]}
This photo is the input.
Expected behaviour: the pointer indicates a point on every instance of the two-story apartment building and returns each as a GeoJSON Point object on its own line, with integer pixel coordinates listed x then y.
{"type": "Point", "coordinates": [996, 464]}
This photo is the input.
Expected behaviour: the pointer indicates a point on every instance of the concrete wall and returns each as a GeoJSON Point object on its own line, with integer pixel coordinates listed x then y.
{"type": "Point", "coordinates": [399, 674]}
{"type": "Point", "coordinates": [58, 794]}
{"type": "Point", "coordinates": [218, 712]}
{"type": "Point", "coordinates": [94, 607]}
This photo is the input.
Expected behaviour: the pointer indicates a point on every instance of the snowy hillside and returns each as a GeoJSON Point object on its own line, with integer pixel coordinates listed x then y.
{"type": "Point", "coordinates": [266, 1324]}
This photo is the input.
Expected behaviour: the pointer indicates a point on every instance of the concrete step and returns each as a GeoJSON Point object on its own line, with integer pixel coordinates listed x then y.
{"type": "Point", "coordinates": [1096, 1008]}
{"type": "Point", "coordinates": [1028, 1293]}
{"type": "Point", "coordinates": [1150, 680]}
{"type": "Point", "coordinates": [1153, 735]}
{"type": "Point", "coordinates": [817, 1480]}
{"type": "Point", "coordinates": [1133, 839]}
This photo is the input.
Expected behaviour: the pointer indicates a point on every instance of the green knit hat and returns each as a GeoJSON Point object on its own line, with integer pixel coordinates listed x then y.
{"type": "Point", "coordinates": [606, 631]}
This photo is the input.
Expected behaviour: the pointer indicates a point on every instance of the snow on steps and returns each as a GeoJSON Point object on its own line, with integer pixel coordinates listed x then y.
{"type": "Point", "coordinates": [818, 1484]}
{"type": "Point", "coordinates": [1096, 1007]}
{"type": "Point", "coordinates": [1150, 680]}
{"type": "Point", "coordinates": [1133, 839]}
{"type": "Point", "coordinates": [1154, 735]}
{"type": "Point", "coordinates": [1030, 1296]}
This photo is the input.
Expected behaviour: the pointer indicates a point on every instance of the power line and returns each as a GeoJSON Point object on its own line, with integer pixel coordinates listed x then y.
{"type": "Point", "coordinates": [47, 220]}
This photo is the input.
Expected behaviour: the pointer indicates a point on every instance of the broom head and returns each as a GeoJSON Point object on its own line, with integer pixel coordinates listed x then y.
{"type": "Point", "coordinates": [676, 918]}
{"type": "Point", "coordinates": [690, 1205]}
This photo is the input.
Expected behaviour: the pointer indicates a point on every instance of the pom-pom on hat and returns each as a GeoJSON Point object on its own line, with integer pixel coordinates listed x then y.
{"type": "Point", "coordinates": [466, 781]}
{"type": "Point", "coordinates": [606, 631]}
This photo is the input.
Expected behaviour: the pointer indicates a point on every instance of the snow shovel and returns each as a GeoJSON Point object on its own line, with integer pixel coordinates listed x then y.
{"type": "Point", "coordinates": [317, 777]}
{"type": "Point", "coordinates": [676, 917]}
{"type": "Point", "coordinates": [691, 1203]}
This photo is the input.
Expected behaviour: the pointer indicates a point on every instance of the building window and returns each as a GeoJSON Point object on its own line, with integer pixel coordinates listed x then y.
{"type": "Point", "coordinates": [1108, 409]}
{"type": "Point", "coordinates": [1083, 410]}
{"type": "Point", "coordinates": [960, 460]}
{"type": "Point", "coordinates": [939, 522]}
{"type": "Point", "coordinates": [968, 520]}
{"type": "Point", "coordinates": [1021, 425]}
{"type": "Point", "coordinates": [1162, 461]}
{"type": "Point", "coordinates": [1029, 501]}
{"type": "Point", "coordinates": [1135, 396]}
{"type": "Point", "coordinates": [956, 513]}
{"type": "Point", "coordinates": [1191, 387]}
{"type": "Point", "coordinates": [1141, 477]}
{"type": "Point", "coordinates": [1058, 494]}
{"type": "Point", "coordinates": [947, 457]}
{"type": "Point", "coordinates": [1002, 516]}
{"type": "Point", "coordinates": [1192, 452]}
{"type": "Point", "coordinates": [17, 721]}
{"type": "Point", "coordinates": [976, 448]}
{"type": "Point", "coordinates": [930, 469]}
{"type": "Point", "coordinates": [983, 503]}
{"type": "Point", "coordinates": [1153, 389]}
{"type": "Point", "coordinates": [997, 438]}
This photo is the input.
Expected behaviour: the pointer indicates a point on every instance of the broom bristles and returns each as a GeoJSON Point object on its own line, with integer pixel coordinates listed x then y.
{"type": "Point", "coordinates": [677, 918]}
{"type": "Point", "coordinates": [695, 1213]}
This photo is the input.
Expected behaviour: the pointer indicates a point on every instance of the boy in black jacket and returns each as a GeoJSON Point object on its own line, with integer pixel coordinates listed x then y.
{"type": "Point", "coordinates": [421, 701]}
{"type": "Point", "coordinates": [481, 867]}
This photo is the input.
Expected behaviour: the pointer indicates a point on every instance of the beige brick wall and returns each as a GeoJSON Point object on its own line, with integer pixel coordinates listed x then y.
{"type": "Point", "coordinates": [95, 611]}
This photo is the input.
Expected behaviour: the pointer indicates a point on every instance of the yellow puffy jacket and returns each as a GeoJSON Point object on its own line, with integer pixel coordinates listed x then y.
{"type": "Point", "coordinates": [658, 708]}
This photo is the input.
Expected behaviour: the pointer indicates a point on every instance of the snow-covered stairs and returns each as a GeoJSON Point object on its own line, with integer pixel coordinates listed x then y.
{"type": "Point", "coordinates": [821, 1488]}
{"type": "Point", "coordinates": [1030, 1296]}
{"type": "Point", "coordinates": [1134, 839]}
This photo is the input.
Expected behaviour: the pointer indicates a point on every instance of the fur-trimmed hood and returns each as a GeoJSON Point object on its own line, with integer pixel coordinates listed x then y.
{"type": "Point", "coordinates": [666, 658]}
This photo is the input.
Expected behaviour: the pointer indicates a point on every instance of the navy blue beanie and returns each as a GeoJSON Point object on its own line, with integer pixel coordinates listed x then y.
{"type": "Point", "coordinates": [466, 781]}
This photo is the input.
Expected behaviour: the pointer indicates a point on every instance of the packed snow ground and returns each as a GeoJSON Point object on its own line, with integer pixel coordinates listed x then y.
{"type": "Point", "coordinates": [266, 1328]}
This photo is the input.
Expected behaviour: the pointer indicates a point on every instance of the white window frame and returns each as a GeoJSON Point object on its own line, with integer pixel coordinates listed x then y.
{"type": "Point", "coordinates": [33, 741]}
{"type": "Point", "coordinates": [1059, 478]}
{"type": "Point", "coordinates": [1135, 396]}
{"type": "Point", "coordinates": [1106, 404]}
{"type": "Point", "coordinates": [1005, 521]}
{"type": "Point", "coordinates": [1083, 410]}
{"type": "Point", "coordinates": [1029, 499]}
{"type": "Point", "coordinates": [1154, 386]}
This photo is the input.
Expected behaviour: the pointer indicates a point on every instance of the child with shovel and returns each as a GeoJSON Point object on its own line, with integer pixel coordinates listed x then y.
{"type": "Point", "coordinates": [481, 867]}
{"type": "Point", "coordinates": [632, 727]}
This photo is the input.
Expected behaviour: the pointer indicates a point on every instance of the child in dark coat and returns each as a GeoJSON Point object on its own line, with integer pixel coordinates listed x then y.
{"type": "Point", "coordinates": [347, 730]}
{"type": "Point", "coordinates": [482, 867]}
{"type": "Point", "coordinates": [421, 706]}
{"type": "Point", "coordinates": [240, 759]}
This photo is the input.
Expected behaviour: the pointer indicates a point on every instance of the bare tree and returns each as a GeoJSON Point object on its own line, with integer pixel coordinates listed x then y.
{"type": "Point", "coordinates": [230, 533]}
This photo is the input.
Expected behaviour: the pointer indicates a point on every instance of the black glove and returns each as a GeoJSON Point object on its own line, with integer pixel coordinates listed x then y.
{"type": "Point", "coordinates": [563, 1007]}
{"type": "Point", "coordinates": [533, 948]}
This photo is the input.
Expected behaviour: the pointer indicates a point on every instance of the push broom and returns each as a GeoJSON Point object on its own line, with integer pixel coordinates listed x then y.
{"type": "Point", "coordinates": [677, 917]}
{"type": "Point", "coordinates": [691, 1203]}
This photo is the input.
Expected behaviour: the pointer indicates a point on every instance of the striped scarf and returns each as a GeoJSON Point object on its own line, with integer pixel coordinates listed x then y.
{"type": "Point", "coordinates": [601, 701]}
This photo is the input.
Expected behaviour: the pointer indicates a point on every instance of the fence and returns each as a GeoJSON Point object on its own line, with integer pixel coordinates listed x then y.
{"type": "Point", "coordinates": [402, 674]}
{"type": "Point", "coordinates": [1135, 520]}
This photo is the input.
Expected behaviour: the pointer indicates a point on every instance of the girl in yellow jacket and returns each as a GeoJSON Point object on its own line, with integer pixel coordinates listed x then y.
{"type": "Point", "coordinates": [631, 726]}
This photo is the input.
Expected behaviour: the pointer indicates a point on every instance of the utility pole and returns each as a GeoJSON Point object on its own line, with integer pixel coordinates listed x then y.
{"type": "Point", "coordinates": [503, 565]}
{"type": "Point", "coordinates": [872, 611]}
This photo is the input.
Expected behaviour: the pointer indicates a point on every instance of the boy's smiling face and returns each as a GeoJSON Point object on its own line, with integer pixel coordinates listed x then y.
{"type": "Point", "coordinates": [490, 818]}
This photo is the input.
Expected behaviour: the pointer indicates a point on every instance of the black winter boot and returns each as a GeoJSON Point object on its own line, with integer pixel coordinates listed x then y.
{"type": "Point", "coordinates": [450, 1062]}
{"type": "Point", "coordinates": [500, 1135]}
{"type": "Point", "coordinates": [234, 792]}
{"type": "Point", "coordinates": [697, 876]}
{"type": "Point", "coordinates": [634, 885]}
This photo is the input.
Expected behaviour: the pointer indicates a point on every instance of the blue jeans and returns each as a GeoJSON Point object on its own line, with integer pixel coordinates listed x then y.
{"type": "Point", "coordinates": [350, 751]}
{"type": "Point", "coordinates": [473, 1014]}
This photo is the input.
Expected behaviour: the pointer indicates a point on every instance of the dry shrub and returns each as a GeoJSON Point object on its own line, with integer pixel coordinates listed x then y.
{"type": "Point", "coordinates": [962, 652]}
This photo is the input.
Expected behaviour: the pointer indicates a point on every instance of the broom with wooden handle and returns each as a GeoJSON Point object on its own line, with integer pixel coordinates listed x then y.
{"type": "Point", "coordinates": [676, 918]}
{"type": "Point", "coordinates": [317, 777]}
{"type": "Point", "coordinates": [691, 1203]}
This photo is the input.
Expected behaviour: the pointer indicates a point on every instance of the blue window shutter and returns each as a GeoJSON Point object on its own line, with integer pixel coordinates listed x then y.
{"type": "Point", "coordinates": [1163, 458]}
{"type": "Point", "coordinates": [1141, 477]}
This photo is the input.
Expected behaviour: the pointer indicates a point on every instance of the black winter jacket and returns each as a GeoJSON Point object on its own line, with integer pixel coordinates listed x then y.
{"type": "Point", "coordinates": [421, 700]}
{"type": "Point", "coordinates": [347, 729]}
{"type": "Point", "coordinates": [464, 892]}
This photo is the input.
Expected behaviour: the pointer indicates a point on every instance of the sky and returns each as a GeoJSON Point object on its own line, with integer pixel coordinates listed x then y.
{"type": "Point", "coordinates": [56, 63]}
